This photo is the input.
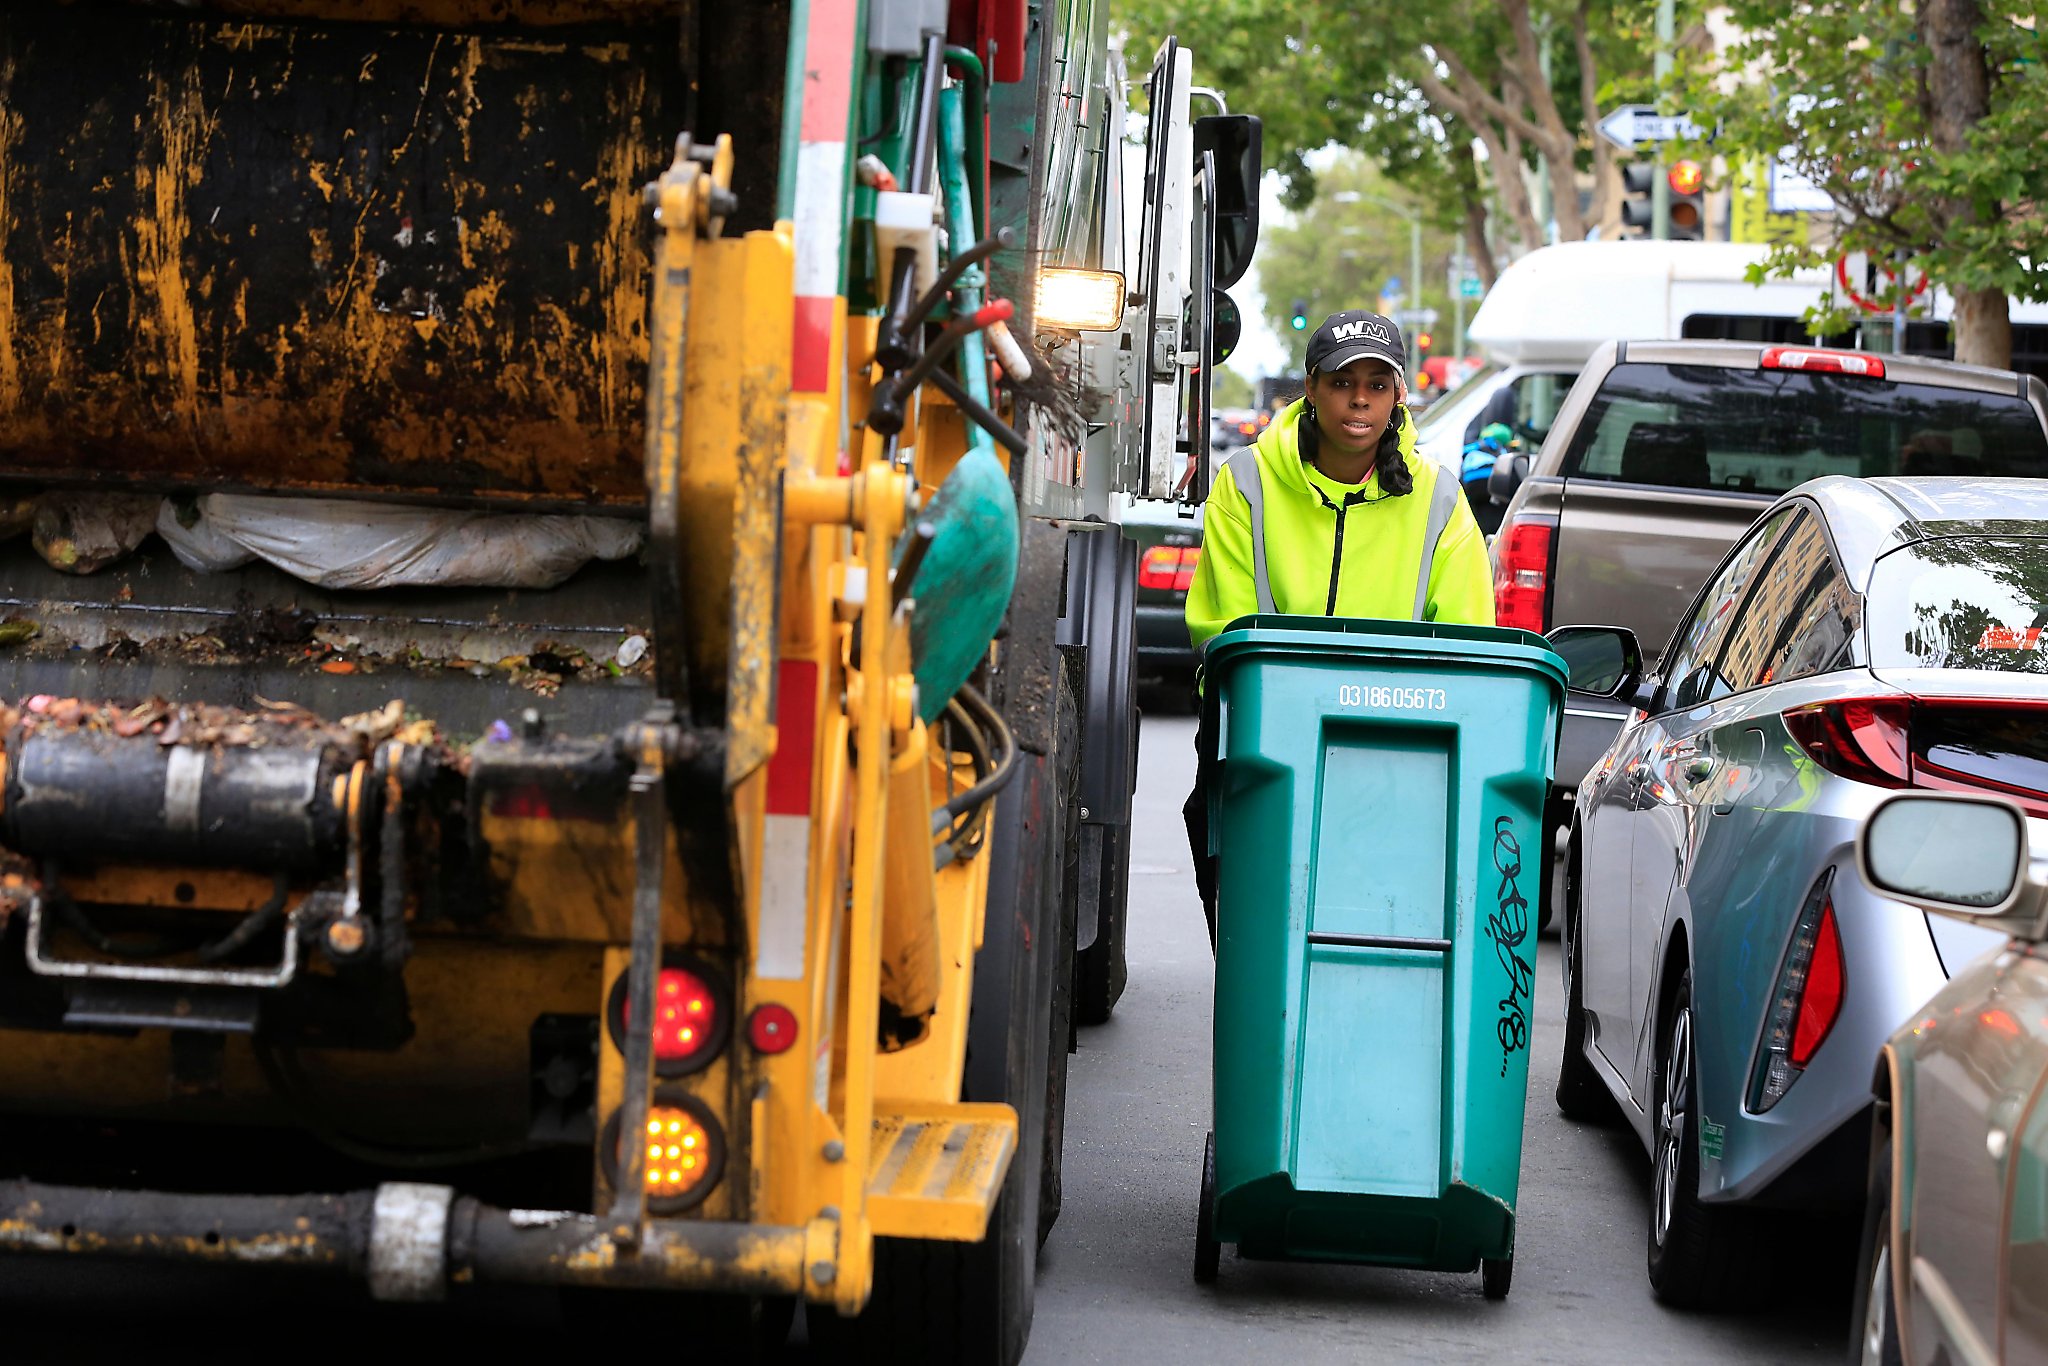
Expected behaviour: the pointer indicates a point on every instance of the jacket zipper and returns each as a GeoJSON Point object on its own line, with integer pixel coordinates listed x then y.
{"type": "Point", "coordinates": [1351, 500]}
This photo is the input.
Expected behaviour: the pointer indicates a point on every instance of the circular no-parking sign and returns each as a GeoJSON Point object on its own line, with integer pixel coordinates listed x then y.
{"type": "Point", "coordinates": [1856, 266]}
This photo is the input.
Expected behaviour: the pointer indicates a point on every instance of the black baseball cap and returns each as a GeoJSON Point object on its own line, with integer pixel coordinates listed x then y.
{"type": "Point", "coordinates": [1353, 335]}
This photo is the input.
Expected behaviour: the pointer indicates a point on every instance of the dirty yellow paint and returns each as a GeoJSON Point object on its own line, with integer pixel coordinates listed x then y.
{"type": "Point", "coordinates": [160, 234]}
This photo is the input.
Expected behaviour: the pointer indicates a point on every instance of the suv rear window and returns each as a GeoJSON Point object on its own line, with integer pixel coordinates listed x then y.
{"type": "Point", "coordinates": [1766, 431]}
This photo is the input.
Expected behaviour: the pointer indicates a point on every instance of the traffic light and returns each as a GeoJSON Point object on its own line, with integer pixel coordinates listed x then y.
{"type": "Point", "coordinates": [1637, 182]}
{"type": "Point", "coordinates": [1299, 322]}
{"type": "Point", "coordinates": [1688, 211]}
{"type": "Point", "coordinates": [1423, 341]}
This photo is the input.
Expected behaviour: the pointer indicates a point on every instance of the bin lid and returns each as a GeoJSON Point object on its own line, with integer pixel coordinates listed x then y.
{"type": "Point", "coordinates": [1503, 647]}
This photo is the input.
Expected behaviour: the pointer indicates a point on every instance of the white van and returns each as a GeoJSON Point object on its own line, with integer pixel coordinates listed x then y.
{"type": "Point", "coordinates": [1548, 311]}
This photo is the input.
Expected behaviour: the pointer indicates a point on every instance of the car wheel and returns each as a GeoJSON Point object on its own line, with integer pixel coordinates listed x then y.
{"type": "Point", "coordinates": [1876, 1318]}
{"type": "Point", "coordinates": [1701, 1256]}
{"type": "Point", "coordinates": [1581, 1095]}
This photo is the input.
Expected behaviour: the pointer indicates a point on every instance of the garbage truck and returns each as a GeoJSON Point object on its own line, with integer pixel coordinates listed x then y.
{"type": "Point", "coordinates": [565, 654]}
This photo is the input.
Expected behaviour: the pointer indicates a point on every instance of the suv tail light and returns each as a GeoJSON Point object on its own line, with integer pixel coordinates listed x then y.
{"type": "Point", "coordinates": [1169, 566]}
{"type": "Point", "coordinates": [1826, 362]}
{"type": "Point", "coordinates": [1946, 744]}
{"type": "Point", "coordinates": [1521, 575]}
{"type": "Point", "coordinates": [1808, 999]}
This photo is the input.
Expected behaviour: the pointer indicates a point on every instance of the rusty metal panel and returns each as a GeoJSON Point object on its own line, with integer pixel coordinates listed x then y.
{"type": "Point", "coordinates": [327, 255]}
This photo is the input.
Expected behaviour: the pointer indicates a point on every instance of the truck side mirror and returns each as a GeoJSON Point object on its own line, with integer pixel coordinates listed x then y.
{"type": "Point", "coordinates": [1235, 140]}
{"type": "Point", "coordinates": [1510, 468]}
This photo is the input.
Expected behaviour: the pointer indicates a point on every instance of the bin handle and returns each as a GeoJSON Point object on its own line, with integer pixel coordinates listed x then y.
{"type": "Point", "coordinates": [1379, 941]}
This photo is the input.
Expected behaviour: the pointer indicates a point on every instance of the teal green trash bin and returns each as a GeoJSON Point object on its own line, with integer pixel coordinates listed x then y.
{"type": "Point", "coordinates": [1378, 816]}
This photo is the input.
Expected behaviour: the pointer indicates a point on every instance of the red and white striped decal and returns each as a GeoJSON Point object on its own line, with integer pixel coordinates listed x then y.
{"type": "Point", "coordinates": [786, 832]}
{"type": "Point", "coordinates": [831, 47]}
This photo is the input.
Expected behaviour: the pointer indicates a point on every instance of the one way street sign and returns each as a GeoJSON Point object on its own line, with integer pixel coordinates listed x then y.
{"type": "Point", "coordinates": [1634, 125]}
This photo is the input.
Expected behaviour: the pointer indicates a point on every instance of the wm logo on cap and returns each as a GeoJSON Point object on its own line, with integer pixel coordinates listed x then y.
{"type": "Point", "coordinates": [1370, 331]}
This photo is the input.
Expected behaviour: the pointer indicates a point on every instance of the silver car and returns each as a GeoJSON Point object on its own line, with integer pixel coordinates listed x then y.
{"type": "Point", "coordinates": [1730, 979]}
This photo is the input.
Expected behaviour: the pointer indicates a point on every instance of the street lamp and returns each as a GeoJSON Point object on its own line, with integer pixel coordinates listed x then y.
{"type": "Point", "coordinates": [1414, 218]}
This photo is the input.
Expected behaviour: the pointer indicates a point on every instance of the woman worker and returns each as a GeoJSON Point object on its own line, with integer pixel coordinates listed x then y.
{"type": "Point", "coordinates": [1332, 513]}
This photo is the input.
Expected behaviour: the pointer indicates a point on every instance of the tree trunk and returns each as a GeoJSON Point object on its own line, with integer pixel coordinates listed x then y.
{"type": "Point", "coordinates": [1982, 324]}
{"type": "Point", "coordinates": [1465, 171]}
{"type": "Point", "coordinates": [1503, 150]}
{"type": "Point", "coordinates": [1958, 97]}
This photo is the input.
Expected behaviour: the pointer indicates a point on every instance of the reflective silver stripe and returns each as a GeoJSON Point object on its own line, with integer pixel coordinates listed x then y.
{"type": "Point", "coordinates": [1244, 472]}
{"type": "Point", "coordinates": [1442, 502]}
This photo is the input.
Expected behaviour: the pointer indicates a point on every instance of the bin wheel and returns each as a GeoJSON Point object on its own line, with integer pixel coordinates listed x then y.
{"type": "Point", "coordinates": [1496, 1274]}
{"type": "Point", "coordinates": [1207, 1250]}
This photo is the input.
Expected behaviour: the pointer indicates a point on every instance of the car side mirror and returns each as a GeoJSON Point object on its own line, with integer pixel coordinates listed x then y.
{"type": "Point", "coordinates": [1962, 857]}
{"type": "Point", "coordinates": [1602, 661]}
{"type": "Point", "coordinates": [1510, 468]}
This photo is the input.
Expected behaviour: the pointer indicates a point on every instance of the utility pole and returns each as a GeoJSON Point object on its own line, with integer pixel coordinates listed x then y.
{"type": "Point", "coordinates": [1415, 274]}
{"type": "Point", "coordinates": [1660, 183]}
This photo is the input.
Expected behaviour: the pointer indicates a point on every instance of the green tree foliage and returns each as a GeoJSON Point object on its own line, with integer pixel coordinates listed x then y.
{"type": "Point", "coordinates": [1923, 120]}
{"type": "Point", "coordinates": [1414, 87]}
{"type": "Point", "coordinates": [1229, 389]}
{"type": "Point", "coordinates": [1343, 247]}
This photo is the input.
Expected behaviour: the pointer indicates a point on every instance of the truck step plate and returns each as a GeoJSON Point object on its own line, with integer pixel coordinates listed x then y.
{"type": "Point", "coordinates": [936, 1169]}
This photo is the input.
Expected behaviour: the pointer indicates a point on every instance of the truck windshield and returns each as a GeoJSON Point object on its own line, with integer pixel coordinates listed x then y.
{"type": "Point", "coordinates": [1766, 431]}
{"type": "Point", "coordinates": [1963, 602]}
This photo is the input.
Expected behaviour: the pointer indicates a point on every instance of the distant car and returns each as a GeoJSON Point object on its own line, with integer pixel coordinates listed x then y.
{"type": "Point", "coordinates": [1665, 452]}
{"type": "Point", "coordinates": [1729, 977]}
{"type": "Point", "coordinates": [1955, 1244]}
{"type": "Point", "coordinates": [1169, 539]}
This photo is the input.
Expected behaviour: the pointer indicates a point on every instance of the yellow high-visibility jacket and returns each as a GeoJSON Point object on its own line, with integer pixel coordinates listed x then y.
{"type": "Point", "coordinates": [1335, 549]}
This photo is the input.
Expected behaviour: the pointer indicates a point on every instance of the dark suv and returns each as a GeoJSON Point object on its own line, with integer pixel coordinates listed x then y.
{"type": "Point", "coordinates": [1665, 452]}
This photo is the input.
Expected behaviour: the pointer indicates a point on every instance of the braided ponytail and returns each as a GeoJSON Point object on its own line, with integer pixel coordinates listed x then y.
{"type": "Point", "coordinates": [1394, 475]}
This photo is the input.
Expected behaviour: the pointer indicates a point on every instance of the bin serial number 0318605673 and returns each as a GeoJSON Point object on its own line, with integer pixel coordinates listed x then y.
{"type": "Point", "coordinates": [1381, 697]}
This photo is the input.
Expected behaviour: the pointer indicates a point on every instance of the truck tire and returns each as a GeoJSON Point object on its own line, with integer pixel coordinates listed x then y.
{"type": "Point", "coordinates": [1103, 968]}
{"type": "Point", "coordinates": [970, 1304]}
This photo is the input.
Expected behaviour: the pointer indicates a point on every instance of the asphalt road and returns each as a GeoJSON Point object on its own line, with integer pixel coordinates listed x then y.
{"type": "Point", "coordinates": [1114, 1278]}
{"type": "Point", "coordinates": [1114, 1283]}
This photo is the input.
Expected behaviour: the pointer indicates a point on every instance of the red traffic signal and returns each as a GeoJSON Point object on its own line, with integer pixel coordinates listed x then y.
{"type": "Point", "coordinates": [1423, 341]}
{"type": "Point", "coordinates": [1686, 177]}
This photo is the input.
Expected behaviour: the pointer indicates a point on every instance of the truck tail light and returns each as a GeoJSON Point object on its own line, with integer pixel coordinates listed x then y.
{"type": "Point", "coordinates": [1825, 362]}
{"type": "Point", "coordinates": [1169, 567]}
{"type": "Point", "coordinates": [691, 1017]}
{"type": "Point", "coordinates": [685, 1151]}
{"type": "Point", "coordinates": [1521, 575]}
{"type": "Point", "coordinates": [1808, 999]}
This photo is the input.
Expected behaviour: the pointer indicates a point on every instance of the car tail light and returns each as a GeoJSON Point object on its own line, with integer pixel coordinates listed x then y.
{"type": "Point", "coordinates": [1808, 999]}
{"type": "Point", "coordinates": [1944, 744]}
{"type": "Point", "coordinates": [1826, 362]}
{"type": "Point", "coordinates": [1169, 566]}
{"type": "Point", "coordinates": [1864, 739]}
{"type": "Point", "coordinates": [1521, 577]}
{"type": "Point", "coordinates": [684, 1152]}
{"type": "Point", "coordinates": [691, 1019]}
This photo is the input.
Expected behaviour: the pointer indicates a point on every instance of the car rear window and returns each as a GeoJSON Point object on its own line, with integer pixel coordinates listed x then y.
{"type": "Point", "coordinates": [1962, 602]}
{"type": "Point", "coordinates": [1766, 431]}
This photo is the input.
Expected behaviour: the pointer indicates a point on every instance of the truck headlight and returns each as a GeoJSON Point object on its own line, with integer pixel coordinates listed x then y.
{"type": "Point", "coordinates": [1071, 300]}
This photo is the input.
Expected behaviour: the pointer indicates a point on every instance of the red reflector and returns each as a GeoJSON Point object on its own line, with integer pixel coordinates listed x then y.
{"type": "Point", "coordinates": [1827, 362]}
{"type": "Point", "coordinates": [1521, 581]}
{"type": "Point", "coordinates": [1864, 740]}
{"type": "Point", "coordinates": [1821, 1003]}
{"type": "Point", "coordinates": [1169, 567]}
{"type": "Point", "coordinates": [772, 1028]}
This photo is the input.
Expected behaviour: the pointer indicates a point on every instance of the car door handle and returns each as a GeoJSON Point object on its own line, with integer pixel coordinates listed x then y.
{"type": "Point", "coordinates": [1700, 769]}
